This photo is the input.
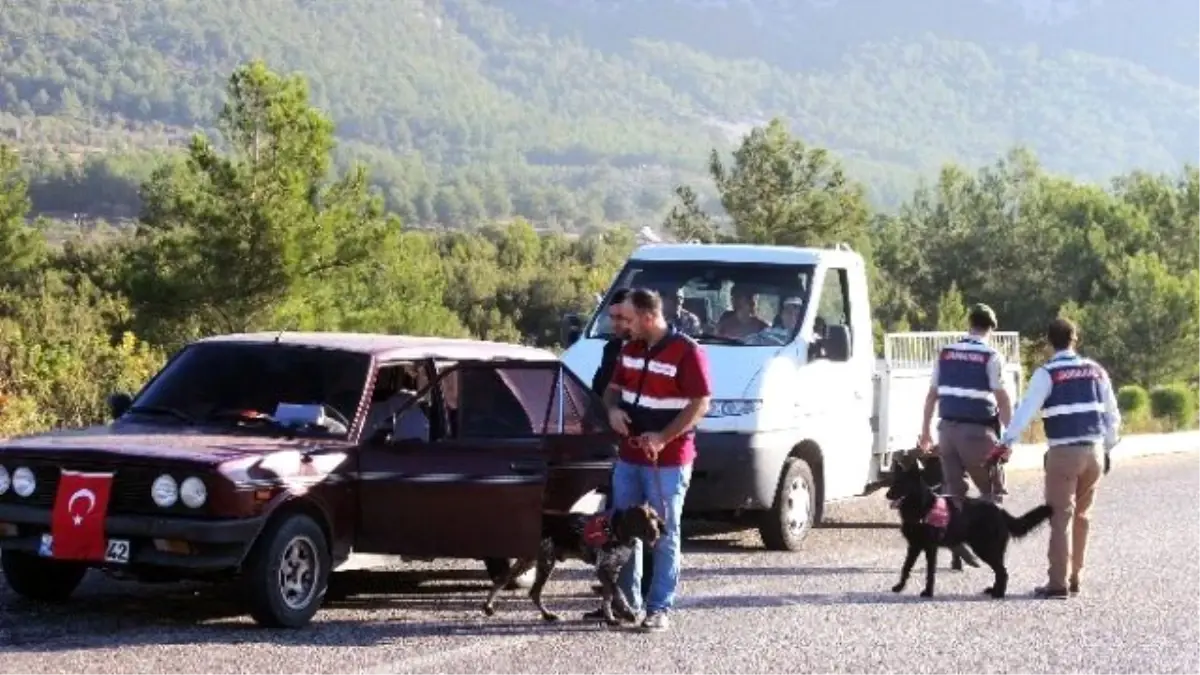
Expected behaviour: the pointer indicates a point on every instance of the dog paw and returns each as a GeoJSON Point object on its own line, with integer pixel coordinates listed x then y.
{"type": "Point", "coordinates": [612, 621]}
{"type": "Point", "coordinates": [488, 610]}
{"type": "Point", "coordinates": [926, 593]}
{"type": "Point", "coordinates": [995, 593]}
{"type": "Point", "coordinates": [551, 617]}
{"type": "Point", "coordinates": [897, 588]}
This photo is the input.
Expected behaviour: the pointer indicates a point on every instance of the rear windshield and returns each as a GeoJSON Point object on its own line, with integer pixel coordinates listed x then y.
{"type": "Point", "coordinates": [208, 379]}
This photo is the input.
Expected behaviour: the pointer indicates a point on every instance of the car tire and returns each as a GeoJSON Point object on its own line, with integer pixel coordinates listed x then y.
{"type": "Point", "coordinates": [287, 573]}
{"type": "Point", "coordinates": [785, 525]}
{"type": "Point", "coordinates": [497, 569]}
{"type": "Point", "coordinates": [41, 579]}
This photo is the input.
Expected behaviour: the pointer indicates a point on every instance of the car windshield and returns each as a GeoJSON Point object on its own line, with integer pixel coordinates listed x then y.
{"type": "Point", "coordinates": [721, 303]}
{"type": "Point", "coordinates": [245, 383]}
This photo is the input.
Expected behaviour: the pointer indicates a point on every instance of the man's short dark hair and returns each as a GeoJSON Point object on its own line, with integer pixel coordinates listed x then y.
{"type": "Point", "coordinates": [981, 317]}
{"type": "Point", "coordinates": [645, 300]}
{"type": "Point", "coordinates": [619, 296]}
{"type": "Point", "coordinates": [1061, 334]}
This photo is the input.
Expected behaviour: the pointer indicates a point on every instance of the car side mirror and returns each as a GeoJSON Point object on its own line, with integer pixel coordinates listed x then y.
{"type": "Point", "coordinates": [118, 404]}
{"type": "Point", "coordinates": [837, 342]}
{"type": "Point", "coordinates": [571, 329]}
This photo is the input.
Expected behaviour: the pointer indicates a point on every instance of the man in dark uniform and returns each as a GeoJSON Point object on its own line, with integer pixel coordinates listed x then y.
{"type": "Point", "coordinates": [968, 391]}
{"type": "Point", "coordinates": [612, 348]}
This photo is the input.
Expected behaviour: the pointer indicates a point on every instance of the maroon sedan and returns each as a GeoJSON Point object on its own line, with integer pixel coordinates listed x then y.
{"type": "Point", "coordinates": [268, 458]}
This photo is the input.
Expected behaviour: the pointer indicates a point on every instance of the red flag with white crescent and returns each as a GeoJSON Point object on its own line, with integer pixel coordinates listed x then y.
{"type": "Point", "coordinates": [77, 522]}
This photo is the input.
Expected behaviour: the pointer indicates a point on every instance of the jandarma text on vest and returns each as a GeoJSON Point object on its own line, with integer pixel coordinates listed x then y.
{"type": "Point", "coordinates": [973, 357]}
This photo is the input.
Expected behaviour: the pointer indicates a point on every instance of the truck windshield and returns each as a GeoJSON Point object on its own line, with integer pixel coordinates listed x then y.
{"type": "Point", "coordinates": [751, 304]}
{"type": "Point", "coordinates": [243, 383]}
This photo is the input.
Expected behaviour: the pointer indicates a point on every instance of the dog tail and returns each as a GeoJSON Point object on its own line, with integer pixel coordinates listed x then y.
{"type": "Point", "coordinates": [1021, 526]}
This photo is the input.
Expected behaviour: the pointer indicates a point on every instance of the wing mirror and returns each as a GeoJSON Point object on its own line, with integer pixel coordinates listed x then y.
{"type": "Point", "coordinates": [118, 404]}
{"type": "Point", "coordinates": [571, 329]}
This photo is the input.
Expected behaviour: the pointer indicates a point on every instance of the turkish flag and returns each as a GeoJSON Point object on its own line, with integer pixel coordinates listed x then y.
{"type": "Point", "coordinates": [77, 522]}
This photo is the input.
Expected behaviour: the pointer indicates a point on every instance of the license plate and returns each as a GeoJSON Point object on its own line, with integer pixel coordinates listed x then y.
{"type": "Point", "coordinates": [117, 551]}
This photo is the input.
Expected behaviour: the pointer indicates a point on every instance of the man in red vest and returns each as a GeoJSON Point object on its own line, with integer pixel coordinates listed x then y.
{"type": "Point", "coordinates": [659, 391]}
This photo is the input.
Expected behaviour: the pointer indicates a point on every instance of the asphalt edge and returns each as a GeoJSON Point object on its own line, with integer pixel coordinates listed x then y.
{"type": "Point", "coordinates": [1029, 455]}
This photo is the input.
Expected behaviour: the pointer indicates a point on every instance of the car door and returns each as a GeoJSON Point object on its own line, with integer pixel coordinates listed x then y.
{"type": "Point", "coordinates": [580, 446]}
{"type": "Point", "coordinates": [473, 490]}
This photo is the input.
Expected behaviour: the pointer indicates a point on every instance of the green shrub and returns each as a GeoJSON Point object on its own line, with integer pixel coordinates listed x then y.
{"type": "Point", "coordinates": [1174, 402]}
{"type": "Point", "coordinates": [1134, 402]}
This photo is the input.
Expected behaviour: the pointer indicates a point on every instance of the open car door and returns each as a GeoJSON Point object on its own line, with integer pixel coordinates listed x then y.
{"type": "Point", "coordinates": [477, 487]}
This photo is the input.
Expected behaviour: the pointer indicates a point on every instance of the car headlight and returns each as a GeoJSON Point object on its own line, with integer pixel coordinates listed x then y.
{"type": "Point", "coordinates": [5, 480]}
{"type": "Point", "coordinates": [733, 407]}
{"type": "Point", "coordinates": [193, 493]}
{"type": "Point", "coordinates": [23, 481]}
{"type": "Point", "coordinates": [164, 491]}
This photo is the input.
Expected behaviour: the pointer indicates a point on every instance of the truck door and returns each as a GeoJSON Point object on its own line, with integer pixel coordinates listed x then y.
{"type": "Point", "coordinates": [845, 386]}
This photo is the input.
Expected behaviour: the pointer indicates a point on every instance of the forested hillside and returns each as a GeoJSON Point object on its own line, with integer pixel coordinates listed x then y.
{"type": "Point", "coordinates": [580, 113]}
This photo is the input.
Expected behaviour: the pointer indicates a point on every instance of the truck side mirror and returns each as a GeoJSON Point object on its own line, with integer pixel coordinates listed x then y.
{"type": "Point", "coordinates": [837, 342]}
{"type": "Point", "coordinates": [571, 329]}
{"type": "Point", "coordinates": [118, 403]}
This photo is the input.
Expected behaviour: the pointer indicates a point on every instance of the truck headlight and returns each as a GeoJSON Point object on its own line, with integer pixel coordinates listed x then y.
{"type": "Point", "coordinates": [193, 493]}
{"type": "Point", "coordinates": [5, 480]}
{"type": "Point", "coordinates": [733, 407]}
{"type": "Point", "coordinates": [23, 481]}
{"type": "Point", "coordinates": [164, 491]}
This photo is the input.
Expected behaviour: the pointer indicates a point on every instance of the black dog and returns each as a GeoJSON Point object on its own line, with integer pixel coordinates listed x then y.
{"type": "Point", "coordinates": [605, 541]}
{"type": "Point", "coordinates": [931, 475]}
{"type": "Point", "coordinates": [929, 521]}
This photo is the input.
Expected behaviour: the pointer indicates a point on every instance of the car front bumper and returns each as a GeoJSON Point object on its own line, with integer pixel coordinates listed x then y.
{"type": "Point", "coordinates": [196, 545]}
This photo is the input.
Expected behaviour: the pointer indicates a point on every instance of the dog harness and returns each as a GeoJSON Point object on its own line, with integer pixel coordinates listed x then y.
{"type": "Point", "coordinates": [939, 514]}
{"type": "Point", "coordinates": [597, 530]}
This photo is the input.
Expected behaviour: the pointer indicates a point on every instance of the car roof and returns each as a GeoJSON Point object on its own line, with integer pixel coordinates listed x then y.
{"type": "Point", "coordinates": [395, 347]}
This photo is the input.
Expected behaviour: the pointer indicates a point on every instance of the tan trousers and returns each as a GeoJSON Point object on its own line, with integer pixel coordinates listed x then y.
{"type": "Point", "coordinates": [1072, 475]}
{"type": "Point", "coordinates": [964, 449]}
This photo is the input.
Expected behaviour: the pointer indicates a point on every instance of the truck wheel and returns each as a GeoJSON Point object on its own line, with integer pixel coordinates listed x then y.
{"type": "Point", "coordinates": [287, 572]}
{"type": "Point", "coordinates": [42, 579]}
{"type": "Point", "coordinates": [788, 522]}
{"type": "Point", "coordinates": [497, 569]}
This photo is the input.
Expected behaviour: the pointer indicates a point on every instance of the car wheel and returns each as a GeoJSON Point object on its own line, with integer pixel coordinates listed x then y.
{"type": "Point", "coordinates": [42, 579]}
{"type": "Point", "coordinates": [788, 522]}
{"type": "Point", "coordinates": [497, 569]}
{"type": "Point", "coordinates": [288, 572]}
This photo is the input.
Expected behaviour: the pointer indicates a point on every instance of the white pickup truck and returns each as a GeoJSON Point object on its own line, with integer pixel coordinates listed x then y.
{"type": "Point", "coordinates": [803, 412]}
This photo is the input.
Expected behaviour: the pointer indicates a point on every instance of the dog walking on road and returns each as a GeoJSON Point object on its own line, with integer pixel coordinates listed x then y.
{"type": "Point", "coordinates": [930, 521]}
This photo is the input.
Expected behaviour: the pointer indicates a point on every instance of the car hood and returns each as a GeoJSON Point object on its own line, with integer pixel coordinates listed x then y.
{"type": "Point", "coordinates": [159, 443]}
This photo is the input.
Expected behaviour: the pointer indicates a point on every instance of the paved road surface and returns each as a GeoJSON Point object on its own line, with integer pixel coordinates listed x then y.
{"type": "Point", "coordinates": [827, 609]}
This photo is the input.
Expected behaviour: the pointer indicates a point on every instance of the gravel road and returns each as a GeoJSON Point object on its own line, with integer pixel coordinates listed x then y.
{"type": "Point", "coordinates": [827, 609]}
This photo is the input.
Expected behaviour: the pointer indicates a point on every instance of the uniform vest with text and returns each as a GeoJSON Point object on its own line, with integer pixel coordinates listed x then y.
{"type": "Point", "coordinates": [1074, 410]}
{"type": "Point", "coordinates": [964, 389]}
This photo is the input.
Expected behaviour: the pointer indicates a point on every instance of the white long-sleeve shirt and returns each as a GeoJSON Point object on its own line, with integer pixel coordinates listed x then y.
{"type": "Point", "coordinates": [1035, 396]}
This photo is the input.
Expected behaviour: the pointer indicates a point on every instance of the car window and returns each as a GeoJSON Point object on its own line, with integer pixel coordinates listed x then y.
{"type": "Point", "coordinates": [521, 401]}
{"type": "Point", "coordinates": [214, 381]}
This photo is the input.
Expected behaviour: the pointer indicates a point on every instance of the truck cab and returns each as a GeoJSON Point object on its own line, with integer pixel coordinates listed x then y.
{"type": "Point", "coordinates": [803, 412]}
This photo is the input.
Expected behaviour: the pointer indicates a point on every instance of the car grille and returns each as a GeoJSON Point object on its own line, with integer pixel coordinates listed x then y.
{"type": "Point", "coordinates": [130, 494]}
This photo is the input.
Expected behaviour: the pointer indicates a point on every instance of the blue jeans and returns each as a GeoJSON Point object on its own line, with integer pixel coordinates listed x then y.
{"type": "Point", "coordinates": [635, 484]}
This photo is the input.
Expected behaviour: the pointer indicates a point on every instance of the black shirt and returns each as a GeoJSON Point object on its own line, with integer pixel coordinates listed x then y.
{"type": "Point", "coordinates": [608, 363]}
